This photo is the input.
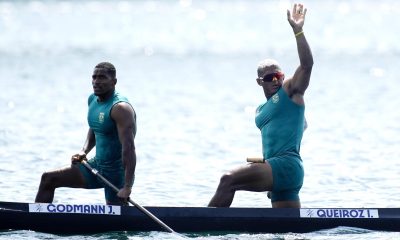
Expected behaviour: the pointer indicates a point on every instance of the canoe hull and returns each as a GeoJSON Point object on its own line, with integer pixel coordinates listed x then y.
{"type": "Point", "coordinates": [18, 216]}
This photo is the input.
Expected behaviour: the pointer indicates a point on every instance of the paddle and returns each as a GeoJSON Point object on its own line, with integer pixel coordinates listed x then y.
{"type": "Point", "coordinates": [149, 214]}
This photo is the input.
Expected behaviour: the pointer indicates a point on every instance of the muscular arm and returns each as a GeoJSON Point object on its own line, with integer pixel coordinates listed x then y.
{"type": "Point", "coordinates": [124, 116]}
{"type": "Point", "coordinates": [90, 142]}
{"type": "Point", "coordinates": [301, 78]}
{"type": "Point", "coordinates": [87, 146]}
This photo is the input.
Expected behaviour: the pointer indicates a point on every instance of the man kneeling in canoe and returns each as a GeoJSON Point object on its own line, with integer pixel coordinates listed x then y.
{"type": "Point", "coordinates": [112, 129]}
{"type": "Point", "coordinates": [281, 121]}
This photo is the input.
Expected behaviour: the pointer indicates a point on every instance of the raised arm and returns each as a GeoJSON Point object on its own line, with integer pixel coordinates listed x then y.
{"type": "Point", "coordinates": [301, 78]}
{"type": "Point", "coordinates": [124, 116]}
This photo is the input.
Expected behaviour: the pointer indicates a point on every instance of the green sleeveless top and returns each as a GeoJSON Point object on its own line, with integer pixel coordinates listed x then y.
{"type": "Point", "coordinates": [108, 146]}
{"type": "Point", "coordinates": [281, 122]}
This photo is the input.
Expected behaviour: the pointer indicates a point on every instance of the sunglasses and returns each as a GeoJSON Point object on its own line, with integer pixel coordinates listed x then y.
{"type": "Point", "coordinates": [272, 76]}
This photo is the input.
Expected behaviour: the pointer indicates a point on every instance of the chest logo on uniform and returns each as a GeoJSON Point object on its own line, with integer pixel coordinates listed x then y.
{"type": "Point", "coordinates": [101, 117]}
{"type": "Point", "coordinates": [275, 98]}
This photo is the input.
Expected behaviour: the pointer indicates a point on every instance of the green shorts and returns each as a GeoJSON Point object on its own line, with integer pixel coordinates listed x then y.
{"type": "Point", "coordinates": [116, 177]}
{"type": "Point", "coordinates": [288, 175]}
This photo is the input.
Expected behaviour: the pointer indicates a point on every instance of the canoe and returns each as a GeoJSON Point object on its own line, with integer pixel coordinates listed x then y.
{"type": "Point", "coordinates": [94, 218]}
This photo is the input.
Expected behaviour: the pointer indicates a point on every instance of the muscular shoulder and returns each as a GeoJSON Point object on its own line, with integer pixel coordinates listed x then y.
{"type": "Point", "coordinates": [122, 109]}
{"type": "Point", "coordinates": [295, 95]}
{"type": "Point", "coordinates": [124, 116]}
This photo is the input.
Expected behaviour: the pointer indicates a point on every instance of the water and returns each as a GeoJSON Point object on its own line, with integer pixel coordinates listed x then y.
{"type": "Point", "coordinates": [189, 68]}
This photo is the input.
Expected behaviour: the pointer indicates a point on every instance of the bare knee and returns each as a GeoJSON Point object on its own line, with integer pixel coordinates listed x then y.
{"type": "Point", "coordinates": [48, 180]}
{"type": "Point", "coordinates": [226, 182]}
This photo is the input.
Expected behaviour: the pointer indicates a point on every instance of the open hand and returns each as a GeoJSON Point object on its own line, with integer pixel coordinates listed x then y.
{"type": "Point", "coordinates": [296, 18]}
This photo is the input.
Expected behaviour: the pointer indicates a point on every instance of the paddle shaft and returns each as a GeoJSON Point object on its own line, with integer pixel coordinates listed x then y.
{"type": "Point", "coordinates": [149, 214]}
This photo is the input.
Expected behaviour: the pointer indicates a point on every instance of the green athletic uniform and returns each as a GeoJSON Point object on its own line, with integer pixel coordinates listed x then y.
{"type": "Point", "coordinates": [108, 159]}
{"type": "Point", "coordinates": [281, 122]}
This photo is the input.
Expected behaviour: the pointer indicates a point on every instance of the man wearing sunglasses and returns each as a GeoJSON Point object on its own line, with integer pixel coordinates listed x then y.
{"type": "Point", "coordinates": [281, 122]}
